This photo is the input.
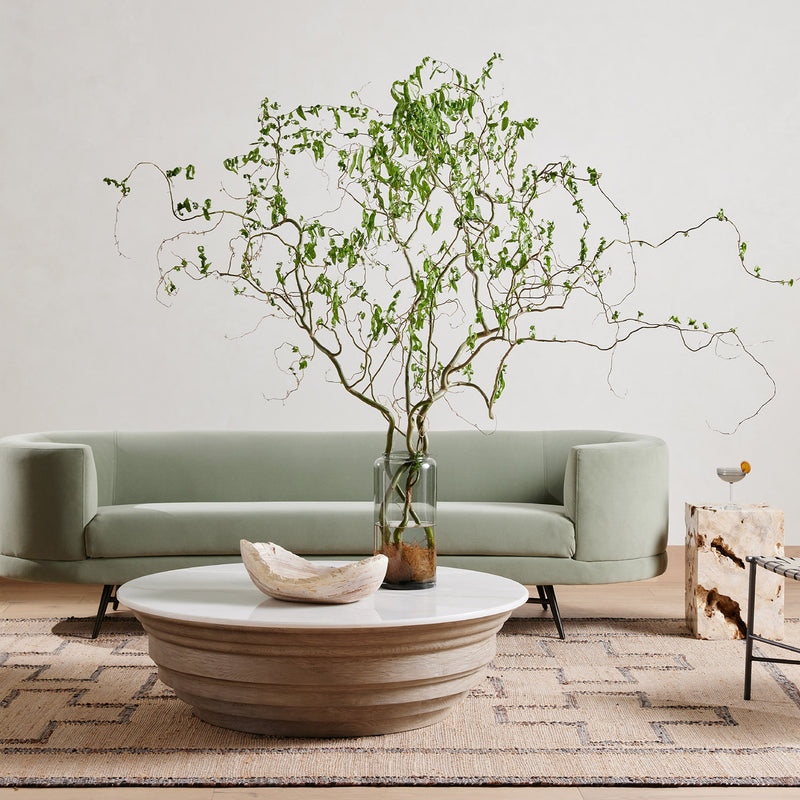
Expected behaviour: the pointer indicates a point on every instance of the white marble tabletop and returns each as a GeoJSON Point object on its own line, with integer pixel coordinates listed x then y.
{"type": "Point", "coordinates": [224, 594]}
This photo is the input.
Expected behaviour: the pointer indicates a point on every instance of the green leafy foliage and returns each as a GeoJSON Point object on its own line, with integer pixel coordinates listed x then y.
{"type": "Point", "coordinates": [438, 249]}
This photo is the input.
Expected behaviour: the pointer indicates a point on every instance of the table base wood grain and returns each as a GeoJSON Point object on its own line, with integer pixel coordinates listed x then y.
{"type": "Point", "coordinates": [390, 662]}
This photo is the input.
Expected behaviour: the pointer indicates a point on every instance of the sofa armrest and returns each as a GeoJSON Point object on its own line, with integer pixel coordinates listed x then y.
{"type": "Point", "coordinates": [617, 496]}
{"type": "Point", "coordinates": [48, 493]}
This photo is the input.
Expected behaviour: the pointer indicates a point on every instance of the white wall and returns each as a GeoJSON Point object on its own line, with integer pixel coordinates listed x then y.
{"type": "Point", "coordinates": [685, 107]}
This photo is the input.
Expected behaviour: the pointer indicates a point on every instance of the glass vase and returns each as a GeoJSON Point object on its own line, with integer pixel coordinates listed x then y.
{"type": "Point", "coordinates": [405, 518]}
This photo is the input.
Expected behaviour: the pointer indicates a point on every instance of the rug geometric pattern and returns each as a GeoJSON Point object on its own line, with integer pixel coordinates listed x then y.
{"type": "Point", "coordinates": [619, 702]}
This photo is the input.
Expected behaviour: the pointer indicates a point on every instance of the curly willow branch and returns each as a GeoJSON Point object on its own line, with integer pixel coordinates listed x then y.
{"type": "Point", "coordinates": [432, 250]}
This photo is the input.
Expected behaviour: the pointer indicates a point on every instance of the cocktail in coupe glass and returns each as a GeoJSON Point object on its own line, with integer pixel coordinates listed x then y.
{"type": "Point", "coordinates": [731, 475]}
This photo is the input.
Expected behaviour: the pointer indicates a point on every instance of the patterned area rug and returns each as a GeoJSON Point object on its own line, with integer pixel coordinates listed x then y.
{"type": "Point", "coordinates": [620, 702]}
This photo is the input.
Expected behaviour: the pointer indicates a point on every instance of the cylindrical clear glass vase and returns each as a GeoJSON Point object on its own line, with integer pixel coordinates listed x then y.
{"type": "Point", "coordinates": [405, 518]}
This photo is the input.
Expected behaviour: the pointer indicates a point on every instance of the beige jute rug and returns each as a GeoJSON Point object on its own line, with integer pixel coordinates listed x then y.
{"type": "Point", "coordinates": [620, 702]}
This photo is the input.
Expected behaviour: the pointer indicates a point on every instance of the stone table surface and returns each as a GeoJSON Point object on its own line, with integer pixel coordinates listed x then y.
{"type": "Point", "coordinates": [223, 594]}
{"type": "Point", "coordinates": [718, 540]}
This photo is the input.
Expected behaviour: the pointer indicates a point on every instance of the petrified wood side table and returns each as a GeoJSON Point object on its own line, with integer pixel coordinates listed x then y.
{"type": "Point", "coordinates": [718, 540]}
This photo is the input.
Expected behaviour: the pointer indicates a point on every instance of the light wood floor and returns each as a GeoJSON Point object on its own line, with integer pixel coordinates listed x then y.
{"type": "Point", "coordinates": [659, 597]}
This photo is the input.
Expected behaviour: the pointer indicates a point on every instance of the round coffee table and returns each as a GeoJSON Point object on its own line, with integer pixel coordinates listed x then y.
{"type": "Point", "coordinates": [393, 661]}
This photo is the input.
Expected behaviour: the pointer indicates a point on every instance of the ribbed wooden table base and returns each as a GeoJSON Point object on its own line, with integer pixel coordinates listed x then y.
{"type": "Point", "coordinates": [321, 682]}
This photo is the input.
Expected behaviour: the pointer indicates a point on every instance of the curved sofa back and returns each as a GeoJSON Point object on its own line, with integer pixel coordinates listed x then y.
{"type": "Point", "coordinates": [197, 466]}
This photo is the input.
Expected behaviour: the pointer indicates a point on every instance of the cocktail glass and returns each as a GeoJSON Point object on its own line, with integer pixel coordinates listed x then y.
{"type": "Point", "coordinates": [731, 475]}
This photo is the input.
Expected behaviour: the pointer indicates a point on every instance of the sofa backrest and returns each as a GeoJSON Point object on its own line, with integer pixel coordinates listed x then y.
{"type": "Point", "coordinates": [196, 466]}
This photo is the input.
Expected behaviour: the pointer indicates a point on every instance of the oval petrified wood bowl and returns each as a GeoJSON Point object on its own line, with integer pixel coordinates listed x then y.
{"type": "Point", "coordinates": [286, 576]}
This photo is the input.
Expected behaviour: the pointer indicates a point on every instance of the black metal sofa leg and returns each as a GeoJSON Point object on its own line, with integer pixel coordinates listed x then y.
{"type": "Point", "coordinates": [551, 596]}
{"type": "Point", "coordinates": [108, 596]}
{"type": "Point", "coordinates": [547, 599]}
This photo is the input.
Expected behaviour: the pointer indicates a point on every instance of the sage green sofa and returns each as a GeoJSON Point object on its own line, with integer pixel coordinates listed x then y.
{"type": "Point", "coordinates": [542, 508]}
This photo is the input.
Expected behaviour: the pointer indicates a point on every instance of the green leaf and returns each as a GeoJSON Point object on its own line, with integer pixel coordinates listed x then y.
{"type": "Point", "coordinates": [453, 233]}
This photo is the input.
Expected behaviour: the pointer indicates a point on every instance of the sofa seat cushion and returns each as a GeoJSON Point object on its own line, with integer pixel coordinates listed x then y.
{"type": "Point", "coordinates": [158, 529]}
{"type": "Point", "coordinates": [504, 529]}
{"type": "Point", "coordinates": [320, 528]}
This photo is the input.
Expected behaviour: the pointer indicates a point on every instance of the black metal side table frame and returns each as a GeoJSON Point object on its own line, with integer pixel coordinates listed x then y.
{"type": "Point", "coordinates": [781, 565]}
